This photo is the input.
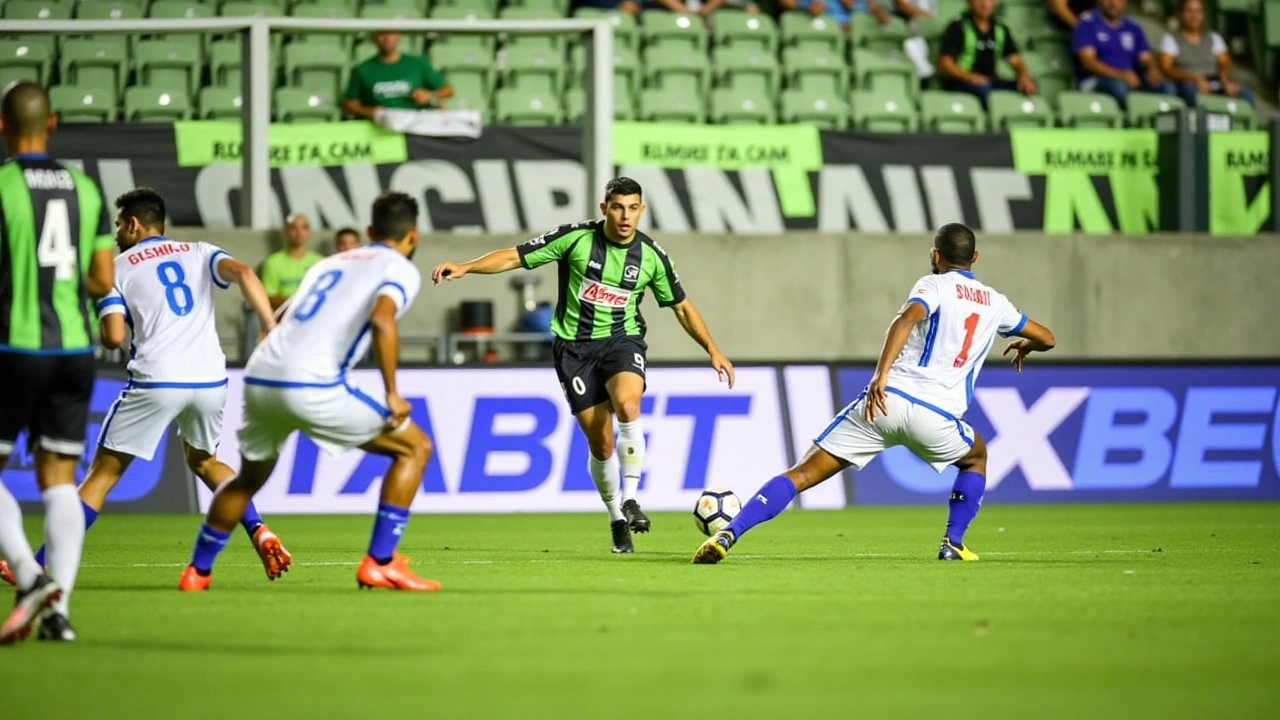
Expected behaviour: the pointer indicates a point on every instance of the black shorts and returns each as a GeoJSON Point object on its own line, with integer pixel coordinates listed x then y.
{"type": "Point", "coordinates": [48, 396]}
{"type": "Point", "coordinates": [584, 366]}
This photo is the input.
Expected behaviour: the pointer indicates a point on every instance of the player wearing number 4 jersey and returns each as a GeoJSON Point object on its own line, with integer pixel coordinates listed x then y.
{"type": "Point", "coordinates": [297, 380]}
{"type": "Point", "coordinates": [605, 267]}
{"type": "Point", "coordinates": [177, 372]}
{"type": "Point", "coordinates": [922, 386]}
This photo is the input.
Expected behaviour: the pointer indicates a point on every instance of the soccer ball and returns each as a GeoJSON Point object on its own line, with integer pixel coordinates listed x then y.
{"type": "Point", "coordinates": [716, 508]}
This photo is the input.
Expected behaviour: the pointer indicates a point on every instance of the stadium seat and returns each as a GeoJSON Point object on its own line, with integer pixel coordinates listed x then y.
{"type": "Point", "coordinates": [800, 29]}
{"type": "Point", "coordinates": [625, 30]}
{"type": "Point", "coordinates": [742, 30]}
{"type": "Point", "coordinates": [317, 67]}
{"type": "Point", "coordinates": [866, 32]}
{"type": "Point", "coordinates": [244, 8]}
{"type": "Point", "coordinates": [931, 30]}
{"type": "Point", "coordinates": [557, 7]}
{"type": "Point", "coordinates": [815, 70]}
{"type": "Point", "coordinates": [626, 67]}
{"type": "Point", "coordinates": [219, 103]}
{"type": "Point", "coordinates": [679, 70]}
{"type": "Point", "coordinates": [517, 106]}
{"type": "Point", "coordinates": [1010, 109]}
{"type": "Point", "coordinates": [674, 31]}
{"type": "Point", "coordinates": [948, 112]}
{"type": "Point", "coordinates": [415, 8]}
{"type": "Point", "coordinates": [889, 74]}
{"type": "Point", "coordinates": [575, 104]}
{"type": "Point", "coordinates": [747, 70]}
{"type": "Point", "coordinates": [882, 111]}
{"type": "Point", "coordinates": [143, 103]}
{"type": "Point", "coordinates": [224, 63]}
{"type": "Point", "coordinates": [23, 60]}
{"type": "Point", "coordinates": [826, 110]}
{"type": "Point", "coordinates": [1092, 110]}
{"type": "Point", "coordinates": [37, 9]}
{"type": "Point", "coordinates": [1143, 107]}
{"type": "Point", "coordinates": [489, 6]}
{"type": "Point", "coordinates": [545, 42]}
{"type": "Point", "coordinates": [83, 103]}
{"type": "Point", "coordinates": [346, 7]}
{"type": "Point", "coordinates": [1057, 45]}
{"type": "Point", "coordinates": [732, 106]}
{"type": "Point", "coordinates": [108, 10]}
{"type": "Point", "coordinates": [469, 11]}
{"type": "Point", "coordinates": [168, 63]}
{"type": "Point", "coordinates": [532, 69]}
{"type": "Point", "coordinates": [1022, 18]}
{"type": "Point", "coordinates": [1243, 116]}
{"type": "Point", "coordinates": [663, 105]}
{"type": "Point", "coordinates": [458, 60]}
{"type": "Point", "coordinates": [1052, 74]}
{"type": "Point", "coordinates": [342, 41]}
{"type": "Point", "coordinates": [183, 9]}
{"type": "Point", "coordinates": [90, 62]}
{"type": "Point", "coordinates": [293, 104]}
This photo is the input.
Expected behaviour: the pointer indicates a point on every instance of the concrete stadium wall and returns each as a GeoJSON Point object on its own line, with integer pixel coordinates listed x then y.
{"type": "Point", "coordinates": [830, 297]}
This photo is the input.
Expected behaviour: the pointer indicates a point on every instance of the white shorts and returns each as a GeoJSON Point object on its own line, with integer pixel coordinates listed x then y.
{"type": "Point", "coordinates": [935, 436]}
{"type": "Point", "coordinates": [337, 417]}
{"type": "Point", "coordinates": [138, 419]}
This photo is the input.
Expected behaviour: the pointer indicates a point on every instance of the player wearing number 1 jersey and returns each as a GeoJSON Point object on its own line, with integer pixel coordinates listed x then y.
{"type": "Point", "coordinates": [922, 386]}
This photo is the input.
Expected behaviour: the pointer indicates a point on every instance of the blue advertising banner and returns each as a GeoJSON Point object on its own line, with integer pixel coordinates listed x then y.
{"type": "Point", "coordinates": [1104, 434]}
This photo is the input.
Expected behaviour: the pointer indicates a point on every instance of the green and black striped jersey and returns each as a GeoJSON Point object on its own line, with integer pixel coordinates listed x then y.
{"type": "Point", "coordinates": [52, 219]}
{"type": "Point", "coordinates": [602, 282]}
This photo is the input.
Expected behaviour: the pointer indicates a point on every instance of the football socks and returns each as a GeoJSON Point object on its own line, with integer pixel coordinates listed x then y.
{"type": "Point", "coordinates": [630, 457]}
{"type": "Point", "coordinates": [251, 520]}
{"type": "Point", "coordinates": [64, 523]}
{"type": "Point", "coordinates": [770, 500]}
{"type": "Point", "coordinates": [388, 526]}
{"type": "Point", "coordinates": [13, 542]}
{"type": "Point", "coordinates": [604, 473]}
{"type": "Point", "coordinates": [966, 498]}
{"type": "Point", "coordinates": [90, 517]}
{"type": "Point", "coordinates": [209, 543]}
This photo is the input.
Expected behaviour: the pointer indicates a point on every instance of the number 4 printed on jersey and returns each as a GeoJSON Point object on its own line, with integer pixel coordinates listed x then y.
{"type": "Point", "coordinates": [55, 249]}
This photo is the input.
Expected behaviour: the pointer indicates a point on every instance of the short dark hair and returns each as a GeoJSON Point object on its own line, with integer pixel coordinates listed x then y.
{"type": "Point", "coordinates": [394, 215]}
{"type": "Point", "coordinates": [25, 108]}
{"type": "Point", "coordinates": [143, 203]}
{"type": "Point", "coordinates": [622, 186]}
{"type": "Point", "coordinates": [347, 231]}
{"type": "Point", "coordinates": [956, 244]}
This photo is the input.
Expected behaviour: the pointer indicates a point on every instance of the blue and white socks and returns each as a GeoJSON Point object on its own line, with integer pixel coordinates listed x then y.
{"type": "Point", "coordinates": [966, 499]}
{"type": "Point", "coordinates": [769, 501]}
{"type": "Point", "coordinates": [388, 527]}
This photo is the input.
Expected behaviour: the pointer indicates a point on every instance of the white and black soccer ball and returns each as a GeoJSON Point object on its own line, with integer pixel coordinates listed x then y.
{"type": "Point", "coordinates": [716, 508]}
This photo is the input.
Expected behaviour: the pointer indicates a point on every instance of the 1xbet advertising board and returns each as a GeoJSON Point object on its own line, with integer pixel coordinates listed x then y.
{"type": "Point", "coordinates": [1113, 434]}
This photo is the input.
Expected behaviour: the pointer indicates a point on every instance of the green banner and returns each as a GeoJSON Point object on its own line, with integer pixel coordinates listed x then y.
{"type": "Point", "coordinates": [215, 142]}
{"type": "Point", "coordinates": [1071, 158]}
{"type": "Point", "coordinates": [789, 151]}
{"type": "Point", "coordinates": [1238, 163]}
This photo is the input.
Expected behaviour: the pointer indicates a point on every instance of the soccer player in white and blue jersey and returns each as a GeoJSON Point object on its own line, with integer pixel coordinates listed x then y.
{"type": "Point", "coordinates": [296, 380]}
{"type": "Point", "coordinates": [164, 292]}
{"type": "Point", "coordinates": [922, 386]}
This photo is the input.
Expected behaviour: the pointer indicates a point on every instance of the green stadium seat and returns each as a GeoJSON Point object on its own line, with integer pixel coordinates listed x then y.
{"type": "Point", "coordinates": [1008, 110]}
{"type": "Point", "coordinates": [889, 74]}
{"type": "Point", "coordinates": [470, 94]}
{"type": "Point", "coordinates": [952, 9]}
{"type": "Point", "coordinates": [815, 70]}
{"type": "Point", "coordinates": [143, 103]}
{"type": "Point", "coordinates": [731, 106]}
{"type": "Point", "coordinates": [83, 103]}
{"type": "Point", "coordinates": [415, 8]}
{"type": "Point", "coordinates": [457, 60]}
{"type": "Point", "coordinates": [826, 110]}
{"type": "Point", "coordinates": [219, 103]}
{"type": "Point", "coordinates": [532, 69]}
{"type": "Point", "coordinates": [1143, 107]}
{"type": "Point", "coordinates": [489, 6]}
{"type": "Point", "coordinates": [224, 63]}
{"type": "Point", "coordinates": [341, 41]}
{"type": "Point", "coordinates": [678, 70]}
{"type": "Point", "coordinates": [626, 67]}
{"type": "Point", "coordinates": [800, 29]}
{"type": "Point", "coordinates": [931, 29]}
{"type": "Point", "coordinates": [294, 104]}
{"type": "Point", "coordinates": [743, 30]}
{"type": "Point", "coordinates": [1056, 45]}
{"type": "Point", "coordinates": [108, 10]}
{"type": "Point", "coordinates": [671, 31]}
{"type": "Point", "coordinates": [1243, 116]}
{"type": "Point", "coordinates": [1022, 18]}
{"type": "Point", "coordinates": [245, 8]}
{"type": "Point", "coordinates": [93, 62]}
{"type": "Point", "coordinates": [470, 11]}
{"type": "Point", "coordinates": [559, 8]}
{"type": "Point", "coordinates": [24, 60]}
{"type": "Point", "coordinates": [1088, 110]}
{"type": "Point", "coordinates": [625, 30]}
{"type": "Point", "coordinates": [662, 105]}
{"type": "Point", "coordinates": [951, 112]}
{"type": "Point", "coordinates": [747, 70]}
{"type": "Point", "coordinates": [346, 7]}
{"type": "Point", "coordinates": [518, 106]}
{"type": "Point", "coordinates": [549, 42]}
{"type": "Point", "coordinates": [867, 33]}
{"type": "Point", "coordinates": [169, 63]}
{"type": "Point", "coordinates": [183, 9]}
{"type": "Point", "coordinates": [882, 111]}
{"type": "Point", "coordinates": [575, 104]}
{"type": "Point", "coordinates": [1052, 74]}
{"type": "Point", "coordinates": [38, 9]}
{"type": "Point", "coordinates": [315, 67]}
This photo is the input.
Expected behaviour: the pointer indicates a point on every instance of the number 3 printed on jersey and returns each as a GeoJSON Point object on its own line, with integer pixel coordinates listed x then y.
{"type": "Point", "coordinates": [315, 298]}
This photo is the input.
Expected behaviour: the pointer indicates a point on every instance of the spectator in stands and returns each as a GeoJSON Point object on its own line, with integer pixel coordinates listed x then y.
{"type": "Point", "coordinates": [1110, 49]}
{"type": "Point", "coordinates": [346, 239]}
{"type": "Point", "coordinates": [1066, 13]}
{"type": "Point", "coordinates": [840, 11]}
{"type": "Point", "coordinates": [283, 269]}
{"type": "Point", "coordinates": [1198, 61]}
{"type": "Point", "coordinates": [971, 47]}
{"type": "Point", "coordinates": [392, 79]}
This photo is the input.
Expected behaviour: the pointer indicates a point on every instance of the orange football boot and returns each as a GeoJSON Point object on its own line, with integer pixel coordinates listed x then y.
{"type": "Point", "coordinates": [192, 581]}
{"type": "Point", "coordinates": [6, 574]}
{"type": "Point", "coordinates": [275, 559]}
{"type": "Point", "coordinates": [395, 575]}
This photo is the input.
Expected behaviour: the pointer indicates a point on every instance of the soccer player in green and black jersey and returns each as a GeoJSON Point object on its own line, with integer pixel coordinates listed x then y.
{"type": "Point", "coordinates": [55, 252]}
{"type": "Point", "coordinates": [605, 268]}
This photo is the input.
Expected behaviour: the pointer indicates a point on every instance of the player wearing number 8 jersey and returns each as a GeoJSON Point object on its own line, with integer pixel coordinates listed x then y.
{"type": "Point", "coordinates": [605, 266]}
{"type": "Point", "coordinates": [922, 386]}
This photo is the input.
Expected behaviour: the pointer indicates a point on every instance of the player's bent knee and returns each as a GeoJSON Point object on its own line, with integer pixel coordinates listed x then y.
{"type": "Point", "coordinates": [628, 410]}
{"type": "Point", "coordinates": [601, 449]}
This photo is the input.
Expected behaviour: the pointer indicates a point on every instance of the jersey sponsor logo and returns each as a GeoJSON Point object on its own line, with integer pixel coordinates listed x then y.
{"type": "Point", "coordinates": [592, 264]}
{"type": "Point", "coordinates": [603, 295]}
{"type": "Point", "coordinates": [152, 252]}
{"type": "Point", "coordinates": [45, 179]}
{"type": "Point", "coordinates": [972, 294]}
{"type": "Point", "coordinates": [392, 88]}
{"type": "Point", "coordinates": [1126, 40]}
{"type": "Point", "coordinates": [631, 272]}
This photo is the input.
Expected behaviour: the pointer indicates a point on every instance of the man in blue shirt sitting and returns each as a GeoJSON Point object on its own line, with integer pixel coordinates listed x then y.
{"type": "Point", "coordinates": [1110, 50]}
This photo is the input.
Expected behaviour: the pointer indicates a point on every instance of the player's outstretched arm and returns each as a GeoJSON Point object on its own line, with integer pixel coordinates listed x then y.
{"type": "Point", "coordinates": [1033, 337]}
{"type": "Point", "coordinates": [894, 340]}
{"type": "Point", "coordinates": [693, 324]}
{"type": "Point", "coordinates": [386, 345]}
{"type": "Point", "coordinates": [233, 271]}
{"type": "Point", "coordinates": [498, 261]}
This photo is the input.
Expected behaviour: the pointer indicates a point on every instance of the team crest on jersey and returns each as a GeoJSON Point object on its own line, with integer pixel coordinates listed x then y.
{"type": "Point", "coordinates": [603, 295]}
{"type": "Point", "coordinates": [631, 273]}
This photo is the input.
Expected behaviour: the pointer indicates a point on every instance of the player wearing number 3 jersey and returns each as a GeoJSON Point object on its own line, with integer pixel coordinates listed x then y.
{"type": "Point", "coordinates": [922, 386]}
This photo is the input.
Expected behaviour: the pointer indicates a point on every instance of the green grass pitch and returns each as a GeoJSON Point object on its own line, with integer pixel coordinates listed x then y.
{"type": "Point", "coordinates": [1084, 611]}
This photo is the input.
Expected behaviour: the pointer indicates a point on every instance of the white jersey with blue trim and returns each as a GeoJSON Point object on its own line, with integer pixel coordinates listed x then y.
{"type": "Point", "coordinates": [164, 288]}
{"type": "Point", "coordinates": [325, 327]}
{"type": "Point", "coordinates": [944, 354]}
